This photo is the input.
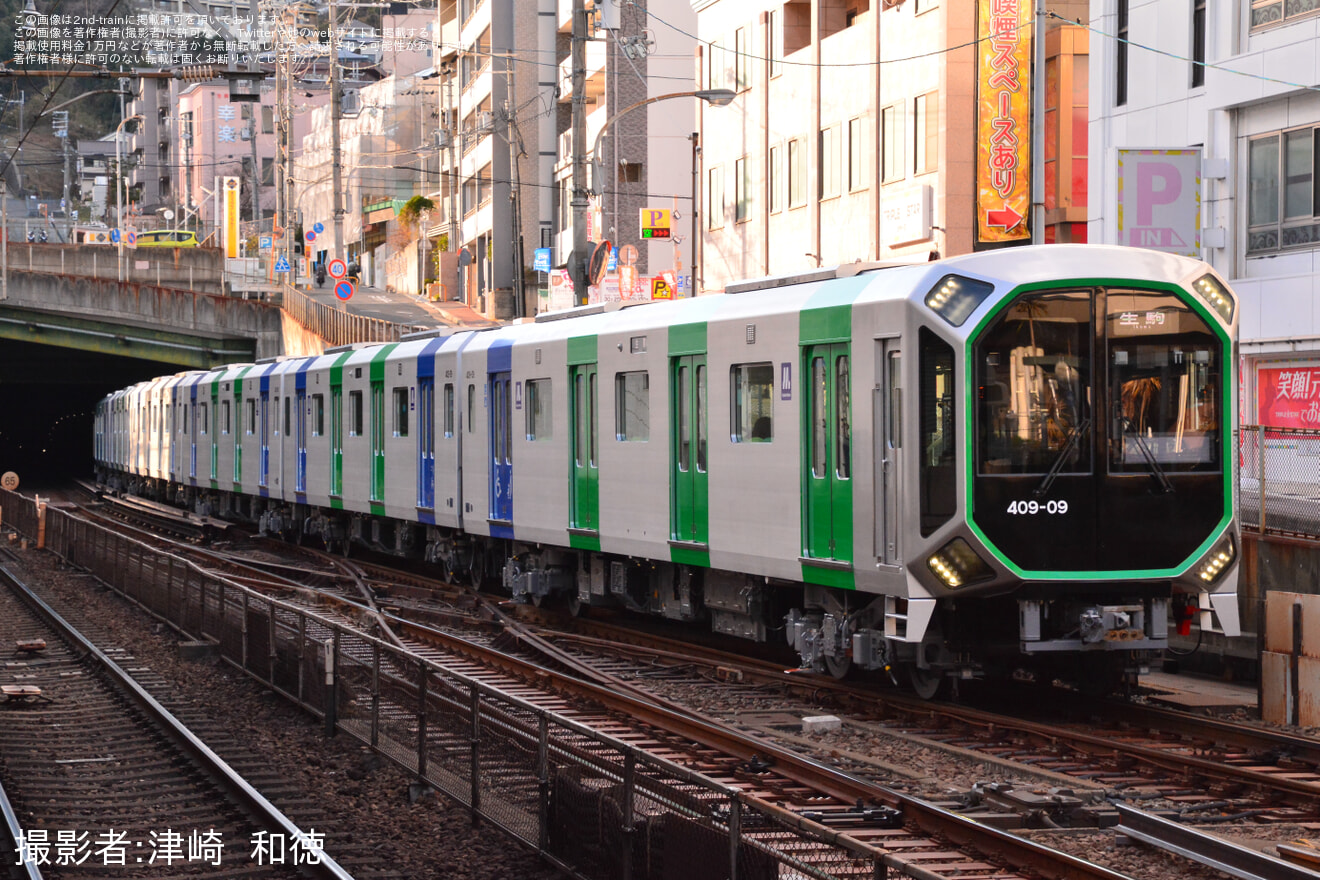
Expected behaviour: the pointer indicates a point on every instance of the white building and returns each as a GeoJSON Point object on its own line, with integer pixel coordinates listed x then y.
{"type": "Point", "coordinates": [1218, 160]}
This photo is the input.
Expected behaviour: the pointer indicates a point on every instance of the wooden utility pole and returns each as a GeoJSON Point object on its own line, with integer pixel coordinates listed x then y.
{"type": "Point", "coordinates": [577, 266]}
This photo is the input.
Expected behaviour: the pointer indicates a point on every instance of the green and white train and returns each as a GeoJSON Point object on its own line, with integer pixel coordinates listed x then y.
{"type": "Point", "coordinates": [1006, 460]}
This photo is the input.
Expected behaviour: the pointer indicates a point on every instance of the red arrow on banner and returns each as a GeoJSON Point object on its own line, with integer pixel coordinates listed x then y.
{"type": "Point", "coordinates": [1006, 217]}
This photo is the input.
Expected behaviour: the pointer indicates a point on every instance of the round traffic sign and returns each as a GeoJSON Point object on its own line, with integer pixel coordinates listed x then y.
{"type": "Point", "coordinates": [9, 482]}
{"type": "Point", "coordinates": [114, 236]}
{"type": "Point", "coordinates": [318, 228]}
{"type": "Point", "coordinates": [345, 290]}
{"type": "Point", "coordinates": [130, 238]}
{"type": "Point", "coordinates": [310, 236]}
{"type": "Point", "coordinates": [628, 255]}
{"type": "Point", "coordinates": [337, 268]}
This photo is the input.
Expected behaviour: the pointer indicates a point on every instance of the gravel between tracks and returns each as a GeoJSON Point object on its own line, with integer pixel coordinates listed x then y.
{"type": "Point", "coordinates": [430, 838]}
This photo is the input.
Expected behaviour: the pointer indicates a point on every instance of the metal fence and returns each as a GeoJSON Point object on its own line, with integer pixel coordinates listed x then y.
{"type": "Point", "coordinates": [1285, 464]}
{"type": "Point", "coordinates": [337, 327]}
{"type": "Point", "coordinates": [590, 803]}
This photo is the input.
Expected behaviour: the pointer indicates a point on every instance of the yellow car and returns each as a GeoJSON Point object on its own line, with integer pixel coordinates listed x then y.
{"type": "Point", "coordinates": [179, 238]}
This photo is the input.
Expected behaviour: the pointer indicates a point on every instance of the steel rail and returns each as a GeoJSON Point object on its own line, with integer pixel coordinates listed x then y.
{"type": "Point", "coordinates": [930, 818]}
{"type": "Point", "coordinates": [219, 771]}
{"type": "Point", "coordinates": [1208, 849]}
{"type": "Point", "coordinates": [14, 829]}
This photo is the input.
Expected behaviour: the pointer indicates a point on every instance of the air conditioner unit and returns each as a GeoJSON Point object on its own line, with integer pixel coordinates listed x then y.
{"type": "Point", "coordinates": [246, 134]}
{"type": "Point", "coordinates": [485, 121]}
{"type": "Point", "coordinates": [443, 139]}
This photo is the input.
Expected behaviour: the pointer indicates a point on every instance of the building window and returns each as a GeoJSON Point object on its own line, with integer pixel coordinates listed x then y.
{"type": "Point", "coordinates": [267, 171]}
{"type": "Point", "coordinates": [1282, 199]}
{"type": "Point", "coordinates": [829, 162]}
{"type": "Point", "coordinates": [715, 198]}
{"type": "Point", "coordinates": [630, 172]}
{"type": "Point", "coordinates": [267, 119]}
{"type": "Point", "coordinates": [776, 177]}
{"type": "Point", "coordinates": [742, 190]}
{"type": "Point", "coordinates": [774, 31]}
{"type": "Point", "coordinates": [742, 61]}
{"type": "Point", "coordinates": [538, 410]}
{"type": "Point", "coordinates": [1121, 59]}
{"type": "Point", "coordinates": [1265, 13]}
{"type": "Point", "coordinates": [400, 412]}
{"type": "Point", "coordinates": [857, 157]}
{"type": "Point", "coordinates": [355, 414]}
{"type": "Point", "coordinates": [797, 172]}
{"type": "Point", "coordinates": [632, 406]}
{"type": "Point", "coordinates": [751, 402]}
{"type": "Point", "coordinates": [891, 142]}
{"type": "Point", "coordinates": [718, 73]}
{"type": "Point", "coordinates": [925, 132]}
{"type": "Point", "coordinates": [1198, 43]}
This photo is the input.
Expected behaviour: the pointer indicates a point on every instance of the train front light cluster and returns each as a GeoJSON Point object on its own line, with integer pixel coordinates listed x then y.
{"type": "Point", "coordinates": [1215, 295]}
{"type": "Point", "coordinates": [954, 297]}
{"type": "Point", "coordinates": [957, 565]}
{"type": "Point", "coordinates": [1218, 560]}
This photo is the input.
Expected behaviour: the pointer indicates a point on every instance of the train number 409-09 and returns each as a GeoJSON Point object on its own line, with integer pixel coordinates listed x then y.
{"type": "Point", "coordinates": [1033, 507]}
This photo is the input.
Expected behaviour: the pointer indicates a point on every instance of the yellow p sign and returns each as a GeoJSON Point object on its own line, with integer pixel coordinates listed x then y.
{"type": "Point", "coordinates": [655, 222]}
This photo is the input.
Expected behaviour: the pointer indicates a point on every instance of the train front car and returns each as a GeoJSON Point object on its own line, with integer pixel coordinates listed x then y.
{"type": "Point", "coordinates": [1074, 473]}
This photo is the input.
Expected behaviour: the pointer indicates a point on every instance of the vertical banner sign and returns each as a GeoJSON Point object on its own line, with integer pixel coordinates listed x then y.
{"type": "Point", "coordinates": [1003, 121]}
{"type": "Point", "coordinates": [231, 217]}
{"type": "Point", "coordinates": [1159, 200]}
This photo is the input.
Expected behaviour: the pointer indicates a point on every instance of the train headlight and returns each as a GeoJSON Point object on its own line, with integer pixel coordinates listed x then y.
{"type": "Point", "coordinates": [1216, 296]}
{"type": "Point", "coordinates": [957, 565]}
{"type": "Point", "coordinates": [954, 297]}
{"type": "Point", "coordinates": [1217, 561]}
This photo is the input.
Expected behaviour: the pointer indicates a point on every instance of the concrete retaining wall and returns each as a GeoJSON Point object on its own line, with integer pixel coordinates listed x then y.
{"type": "Point", "coordinates": [199, 269]}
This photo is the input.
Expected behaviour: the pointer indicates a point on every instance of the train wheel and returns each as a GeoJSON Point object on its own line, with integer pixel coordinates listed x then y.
{"type": "Point", "coordinates": [927, 683]}
{"type": "Point", "coordinates": [839, 668]}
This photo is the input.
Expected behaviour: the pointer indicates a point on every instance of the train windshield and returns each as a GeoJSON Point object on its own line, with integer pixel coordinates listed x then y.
{"type": "Point", "coordinates": [1152, 377]}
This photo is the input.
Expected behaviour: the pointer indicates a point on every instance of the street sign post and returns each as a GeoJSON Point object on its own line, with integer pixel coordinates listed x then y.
{"type": "Point", "coordinates": [655, 222]}
{"type": "Point", "coordinates": [345, 290]}
{"type": "Point", "coordinates": [541, 260]}
{"type": "Point", "coordinates": [282, 264]}
{"type": "Point", "coordinates": [337, 269]}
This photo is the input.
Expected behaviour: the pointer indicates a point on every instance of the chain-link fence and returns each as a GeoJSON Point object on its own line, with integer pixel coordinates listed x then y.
{"type": "Point", "coordinates": [1283, 466]}
{"type": "Point", "coordinates": [593, 804]}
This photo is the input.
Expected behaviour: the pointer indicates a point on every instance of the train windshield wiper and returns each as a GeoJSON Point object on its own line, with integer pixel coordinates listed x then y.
{"type": "Point", "coordinates": [1074, 437]}
{"type": "Point", "coordinates": [1155, 470]}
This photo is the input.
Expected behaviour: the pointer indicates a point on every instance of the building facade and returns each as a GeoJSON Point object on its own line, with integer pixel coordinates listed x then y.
{"type": "Point", "coordinates": [1204, 138]}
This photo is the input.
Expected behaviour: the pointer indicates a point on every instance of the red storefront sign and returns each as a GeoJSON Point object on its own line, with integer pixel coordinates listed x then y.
{"type": "Point", "coordinates": [1288, 397]}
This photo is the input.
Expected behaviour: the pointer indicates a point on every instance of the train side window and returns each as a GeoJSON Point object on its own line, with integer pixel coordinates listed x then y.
{"type": "Point", "coordinates": [400, 412]}
{"type": "Point", "coordinates": [472, 408]}
{"type": "Point", "coordinates": [355, 414]}
{"type": "Point", "coordinates": [318, 415]}
{"type": "Point", "coordinates": [632, 406]}
{"type": "Point", "coordinates": [938, 478]}
{"type": "Point", "coordinates": [224, 417]}
{"type": "Point", "coordinates": [449, 409]}
{"type": "Point", "coordinates": [751, 409]}
{"type": "Point", "coordinates": [288, 412]}
{"type": "Point", "coordinates": [251, 406]}
{"type": "Point", "coordinates": [202, 420]}
{"type": "Point", "coordinates": [538, 410]}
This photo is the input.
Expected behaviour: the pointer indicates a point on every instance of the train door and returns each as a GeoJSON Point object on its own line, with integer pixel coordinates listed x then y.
{"type": "Point", "coordinates": [426, 443]}
{"type": "Point", "coordinates": [300, 431]}
{"type": "Point", "coordinates": [501, 453]}
{"type": "Point", "coordinates": [336, 438]}
{"type": "Point", "coordinates": [584, 401]}
{"type": "Point", "coordinates": [263, 425]}
{"type": "Point", "coordinates": [378, 441]}
{"type": "Point", "coordinates": [215, 431]}
{"type": "Point", "coordinates": [887, 416]}
{"type": "Point", "coordinates": [690, 520]}
{"type": "Point", "coordinates": [827, 472]}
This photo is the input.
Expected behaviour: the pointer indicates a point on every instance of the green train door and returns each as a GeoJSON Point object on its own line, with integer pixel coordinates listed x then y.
{"type": "Point", "coordinates": [586, 433]}
{"type": "Point", "coordinates": [377, 441]}
{"type": "Point", "coordinates": [827, 468]}
{"type": "Point", "coordinates": [690, 426]}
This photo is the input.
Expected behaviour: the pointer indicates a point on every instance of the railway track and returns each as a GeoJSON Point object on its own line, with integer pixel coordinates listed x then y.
{"type": "Point", "coordinates": [846, 816]}
{"type": "Point", "coordinates": [100, 775]}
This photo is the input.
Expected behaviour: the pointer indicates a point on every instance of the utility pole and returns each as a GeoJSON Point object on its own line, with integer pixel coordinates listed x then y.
{"type": "Point", "coordinates": [578, 261]}
{"type": "Point", "coordinates": [1038, 128]}
{"type": "Point", "coordinates": [281, 134]}
{"type": "Point", "coordinates": [336, 110]}
{"type": "Point", "coordinates": [256, 168]}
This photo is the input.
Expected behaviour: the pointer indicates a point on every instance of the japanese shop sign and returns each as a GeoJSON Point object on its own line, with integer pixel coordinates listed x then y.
{"type": "Point", "coordinates": [231, 216]}
{"type": "Point", "coordinates": [1288, 397]}
{"type": "Point", "coordinates": [1003, 120]}
{"type": "Point", "coordinates": [1159, 200]}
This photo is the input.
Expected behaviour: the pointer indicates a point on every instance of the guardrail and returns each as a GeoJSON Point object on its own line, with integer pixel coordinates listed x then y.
{"type": "Point", "coordinates": [593, 805]}
{"type": "Point", "coordinates": [336, 327]}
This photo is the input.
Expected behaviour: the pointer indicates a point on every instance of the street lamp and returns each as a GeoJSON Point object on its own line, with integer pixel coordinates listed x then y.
{"type": "Point", "coordinates": [715, 97]}
{"type": "Point", "coordinates": [119, 187]}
